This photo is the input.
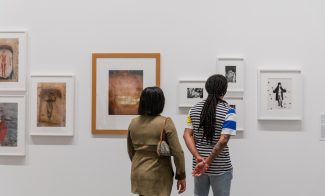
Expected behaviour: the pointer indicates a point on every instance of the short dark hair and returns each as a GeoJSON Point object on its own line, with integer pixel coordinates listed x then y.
{"type": "Point", "coordinates": [152, 101]}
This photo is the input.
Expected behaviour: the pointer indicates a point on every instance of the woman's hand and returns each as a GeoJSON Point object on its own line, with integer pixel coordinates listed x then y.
{"type": "Point", "coordinates": [181, 186]}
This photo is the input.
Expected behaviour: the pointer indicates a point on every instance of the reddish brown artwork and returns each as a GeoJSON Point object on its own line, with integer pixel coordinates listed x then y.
{"type": "Point", "coordinates": [125, 87]}
{"type": "Point", "coordinates": [51, 104]}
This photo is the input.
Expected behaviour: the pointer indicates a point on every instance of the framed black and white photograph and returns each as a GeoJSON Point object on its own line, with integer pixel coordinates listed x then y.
{"type": "Point", "coordinates": [280, 93]}
{"type": "Point", "coordinates": [233, 70]}
{"type": "Point", "coordinates": [191, 92]}
{"type": "Point", "coordinates": [238, 105]}
{"type": "Point", "coordinates": [13, 60]}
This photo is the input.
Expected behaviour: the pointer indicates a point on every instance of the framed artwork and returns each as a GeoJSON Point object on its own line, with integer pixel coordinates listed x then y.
{"type": "Point", "coordinates": [238, 105]}
{"type": "Point", "coordinates": [280, 94]}
{"type": "Point", "coordinates": [233, 70]}
{"type": "Point", "coordinates": [13, 60]}
{"type": "Point", "coordinates": [117, 82]}
{"type": "Point", "coordinates": [12, 125]}
{"type": "Point", "coordinates": [191, 92]}
{"type": "Point", "coordinates": [52, 105]}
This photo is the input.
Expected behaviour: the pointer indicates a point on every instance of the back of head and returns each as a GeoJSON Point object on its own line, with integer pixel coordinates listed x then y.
{"type": "Point", "coordinates": [216, 86]}
{"type": "Point", "coordinates": [152, 101]}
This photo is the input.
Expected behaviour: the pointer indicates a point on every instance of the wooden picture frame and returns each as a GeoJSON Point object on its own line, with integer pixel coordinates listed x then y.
{"type": "Point", "coordinates": [117, 82]}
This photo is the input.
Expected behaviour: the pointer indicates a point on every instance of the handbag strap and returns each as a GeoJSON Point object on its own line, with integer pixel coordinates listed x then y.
{"type": "Point", "coordinates": [162, 129]}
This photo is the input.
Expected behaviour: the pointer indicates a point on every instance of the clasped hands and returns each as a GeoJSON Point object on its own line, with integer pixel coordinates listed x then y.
{"type": "Point", "coordinates": [200, 167]}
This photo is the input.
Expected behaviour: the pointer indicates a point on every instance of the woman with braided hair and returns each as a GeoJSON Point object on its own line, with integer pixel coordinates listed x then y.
{"type": "Point", "coordinates": [210, 123]}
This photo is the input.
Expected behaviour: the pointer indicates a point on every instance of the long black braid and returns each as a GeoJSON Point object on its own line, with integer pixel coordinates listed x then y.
{"type": "Point", "coordinates": [216, 86]}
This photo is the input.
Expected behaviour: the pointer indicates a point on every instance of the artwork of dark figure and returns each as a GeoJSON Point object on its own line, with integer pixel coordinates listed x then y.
{"type": "Point", "coordinates": [51, 105]}
{"type": "Point", "coordinates": [279, 90]}
{"type": "Point", "coordinates": [124, 90]}
{"type": "Point", "coordinates": [230, 73]}
{"type": "Point", "coordinates": [279, 93]}
{"type": "Point", "coordinates": [194, 93]}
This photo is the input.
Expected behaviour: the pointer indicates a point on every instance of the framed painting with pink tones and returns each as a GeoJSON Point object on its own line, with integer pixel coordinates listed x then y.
{"type": "Point", "coordinates": [117, 82]}
{"type": "Point", "coordinates": [13, 60]}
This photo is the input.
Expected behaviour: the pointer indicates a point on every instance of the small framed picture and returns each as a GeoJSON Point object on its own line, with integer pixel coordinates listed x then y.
{"type": "Point", "coordinates": [191, 92]}
{"type": "Point", "coordinates": [233, 70]}
{"type": "Point", "coordinates": [238, 105]}
{"type": "Point", "coordinates": [117, 82]}
{"type": "Point", "coordinates": [12, 125]}
{"type": "Point", "coordinates": [52, 105]}
{"type": "Point", "coordinates": [280, 94]}
{"type": "Point", "coordinates": [13, 60]}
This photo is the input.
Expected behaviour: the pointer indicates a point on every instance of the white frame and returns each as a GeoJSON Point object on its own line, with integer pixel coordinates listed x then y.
{"type": "Point", "coordinates": [296, 110]}
{"type": "Point", "coordinates": [238, 87]}
{"type": "Point", "coordinates": [240, 111]}
{"type": "Point", "coordinates": [182, 92]}
{"type": "Point", "coordinates": [67, 130]}
{"type": "Point", "coordinates": [20, 85]}
{"type": "Point", "coordinates": [21, 126]}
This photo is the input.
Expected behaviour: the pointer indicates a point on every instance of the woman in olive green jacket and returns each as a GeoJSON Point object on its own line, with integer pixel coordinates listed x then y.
{"type": "Point", "coordinates": [151, 174]}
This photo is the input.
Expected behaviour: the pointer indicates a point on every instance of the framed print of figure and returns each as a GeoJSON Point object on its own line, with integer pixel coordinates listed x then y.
{"type": "Point", "coordinates": [52, 105]}
{"type": "Point", "coordinates": [191, 92]}
{"type": "Point", "coordinates": [117, 82]}
{"type": "Point", "coordinates": [280, 94]}
{"type": "Point", "coordinates": [12, 125]}
{"type": "Point", "coordinates": [233, 70]}
{"type": "Point", "coordinates": [13, 60]}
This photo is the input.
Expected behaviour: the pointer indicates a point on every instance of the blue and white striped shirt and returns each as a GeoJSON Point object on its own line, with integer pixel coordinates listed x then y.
{"type": "Point", "coordinates": [225, 124]}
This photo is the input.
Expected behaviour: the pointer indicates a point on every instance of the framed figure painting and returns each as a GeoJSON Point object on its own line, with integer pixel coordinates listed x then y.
{"type": "Point", "coordinates": [233, 70]}
{"type": "Point", "coordinates": [12, 125]}
{"type": "Point", "coordinates": [117, 82]}
{"type": "Point", "coordinates": [190, 92]}
{"type": "Point", "coordinates": [13, 60]}
{"type": "Point", "coordinates": [280, 94]}
{"type": "Point", "coordinates": [52, 105]}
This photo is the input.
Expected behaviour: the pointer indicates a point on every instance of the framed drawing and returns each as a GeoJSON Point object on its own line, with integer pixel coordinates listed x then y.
{"type": "Point", "coordinates": [52, 105]}
{"type": "Point", "coordinates": [12, 125]}
{"type": "Point", "coordinates": [13, 60]}
{"type": "Point", "coordinates": [280, 94]}
{"type": "Point", "coordinates": [117, 82]}
{"type": "Point", "coordinates": [238, 105]}
{"type": "Point", "coordinates": [233, 70]}
{"type": "Point", "coordinates": [191, 92]}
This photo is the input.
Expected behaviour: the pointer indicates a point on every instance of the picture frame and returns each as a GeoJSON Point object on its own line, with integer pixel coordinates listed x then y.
{"type": "Point", "coordinates": [280, 94]}
{"type": "Point", "coordinates": [233, 69]}
{"type": "Point", "coordinates": [239, 105]}
{"type": "Point", "coordinates": [117, 82]}
{"type": "Point", "coordinates": [13, 60]}
{"type": "Point", "coordinates": [191, 92]}
{"type": "Point", "coordinates": [12, 125]}
{"type": "Point", "coordinates": [52, 105]}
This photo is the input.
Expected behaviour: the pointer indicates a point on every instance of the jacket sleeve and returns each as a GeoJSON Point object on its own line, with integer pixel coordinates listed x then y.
{"type": "Point", "coordinates": [176, 149]}
{"type": "Point", "coordinates": [131, 150]}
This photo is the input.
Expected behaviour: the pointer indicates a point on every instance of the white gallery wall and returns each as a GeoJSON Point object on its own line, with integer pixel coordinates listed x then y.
{"type": "Point", "coordinates": [269, 158]}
